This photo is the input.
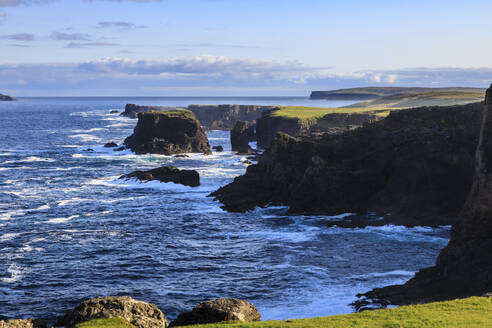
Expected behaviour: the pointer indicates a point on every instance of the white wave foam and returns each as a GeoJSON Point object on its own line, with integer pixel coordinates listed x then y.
{"type": "Point", "coordinates": [72, 201]}
{"type": "Point", "coordinates": [16, 273]}
{"type": "Point", "coordinates": [385, 274]}
{"type": "Point", "coordinates": [17, 168]}
{"type": "Point", "coordinates": [86, 137]}
{"type": "Point", "coordinates": [8, 236]}
{"type": "Point", "coordinates": [30, 159]}
{"type": "Point", "coordinates": [43, 207]}
{"type": "Point", "coordinates": [88, 131]}
{"type": "Point", "coordinates": [61, 220]}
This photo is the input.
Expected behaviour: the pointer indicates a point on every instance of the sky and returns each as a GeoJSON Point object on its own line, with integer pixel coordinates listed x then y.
{"type": "Point", "coordinates": [239, 47]}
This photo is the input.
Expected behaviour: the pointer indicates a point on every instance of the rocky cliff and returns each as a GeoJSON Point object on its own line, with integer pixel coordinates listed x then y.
{"type": "Point", "coordinates": [415, 164]}
{"type": "Point", "coordinates": [210, 116]}
{"type": "Point", "coordinates": [464, 267]}
{"type": "Point", "coordinates": [5, 98]}
{"type": "Point", "coordinates": [242, 133]}
{"type": "Point", "coordinates": [167, 133]}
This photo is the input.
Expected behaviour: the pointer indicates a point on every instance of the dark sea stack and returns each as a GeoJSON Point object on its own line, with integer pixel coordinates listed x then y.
{"type": "Point", "coordinates": [5, 98]}
{"type": "Point", "coordinates": [242, 133]}
{"type": "Point", "coordinates": [168, 133]}
{"type": "Point", "coordinates": [416, 164]}
{"type": "Point", "coordinates": [167, 174]}
{"type": "Point", "coordinates": [464, 267]}
{"type": "Point", "coordinates": [22, 323]}
{"type": "Point", "coordinates": [111, 145]}
{"type": "Point", "coordinates": [138, 313]}
{"type": "Point", "coordinates": [219, 310]}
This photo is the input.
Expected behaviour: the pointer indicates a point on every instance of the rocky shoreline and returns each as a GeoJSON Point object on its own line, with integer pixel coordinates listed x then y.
{"type": "Point", "coordinates": [145, 315]}
{"type": "Point", "coordinates": [5, 98]}
{"type": "Point", "coordinates": [463, 268]}
{"type": "Point", "coordinates": [399, 165]}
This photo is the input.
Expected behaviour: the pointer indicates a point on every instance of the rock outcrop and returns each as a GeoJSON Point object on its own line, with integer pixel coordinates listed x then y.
{"type": "Point", "coordinates": [464, 266]}
{"type": "Point", "coordinates": [22, 323]}
{"type": "Point", "coordinates": [416, 164]}
{"type": "Point", "coordinates": [138, 313]}
{"type": "Point", "coordinates": [242, 133]}
{"type": "Point", "coordinates": [168, 133]}
{"type": "Point", "coordinates": [213, 117]}
{"type": "Point", "coordinates": [167, 174]}
{"type": "Point", "coordinates": [111, 145]}
{"type": "Point", "coordinates": [5, 98]}
{"type": "Point", "coordinates": [219, 310]}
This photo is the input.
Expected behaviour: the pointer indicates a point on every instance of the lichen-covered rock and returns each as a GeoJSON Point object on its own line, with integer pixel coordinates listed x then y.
{"type": "Point", "coordinates": [219, 310]}
{"type": "Point", "coordinates": [138, 313]}
{"type": "Point", "coordinates": [22, 323]}
{"type": "Point", "coordinates": [242, 133]}
{"type": "Point", "coordinates": [168, 133]}
{"type": "Point", "coordinates": [167, 174]}
{"type": "Point", "coordinates": [464, 266]}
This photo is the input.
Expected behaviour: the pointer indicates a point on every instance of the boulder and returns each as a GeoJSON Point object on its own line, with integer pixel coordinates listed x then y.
{"type": "Point", "coordinates": [416, 164]}
{"type": "Point", "coordinates": [138, 313]}
{"type": "Point", "coordinates": [114, 111]}
{"type": "Point", "coordinates": [119, 148]}
{"type": "Point", "coordinates": [168, 133]}
{"type": "Point", "coordinates": [167, 174]}
{"type": "Point", "coordinates": [242, 133]}
{"type": "Point", "coordinates": [219, 310]}
{"type": "Point", "coordinates": [181, 156]}
{"type": "Point", "coordinates": [218, 148]}
{"type": "Point", "coordinates": [464, 266]}
{"type": "Point", "coordinates": [22, 323]}
{"type": "Point", "coordinates": [111, 145]}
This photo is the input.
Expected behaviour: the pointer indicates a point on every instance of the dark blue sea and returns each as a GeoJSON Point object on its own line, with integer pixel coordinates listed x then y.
{"type": "Point", "coordinates": [71, 230]}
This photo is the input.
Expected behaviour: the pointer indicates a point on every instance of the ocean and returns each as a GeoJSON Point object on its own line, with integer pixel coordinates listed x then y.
{"type": "Point", "coordinates": [70, 229]}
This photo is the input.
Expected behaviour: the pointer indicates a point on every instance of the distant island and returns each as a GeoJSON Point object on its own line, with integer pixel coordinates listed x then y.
{"type": "Point", "coordinates": [367, 93]}
{"type": "Point", "coordinates": [5, 98]}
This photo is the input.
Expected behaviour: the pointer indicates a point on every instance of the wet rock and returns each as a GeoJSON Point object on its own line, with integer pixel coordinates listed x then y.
{"type": "Point", "coordinates": [138, 313]}
{"type": "Point", "coordinates": [114, 111]}
{"type": "Point", "coordinates": [168, 133]}
{"type": "Point", "coordinates": [119, 148]}
{"type": "Point", "coordinates": [242, 133]}
{"type": "Point", "coordinates": [247, 162]}
{"type": "Point", "coordinates": [22, 323]}
{"type": "Point", "coordinates": [218, 148]}
{"type": "Point", "coordinates": [463, 267]}
{"type": "Point", "coordinates": [89, 149]}
{"type": "Point", "coordinates": [416, 164]}
{"type": "Point", "coordinates": [111, 145]}
{"type": "Point", "coordinates": [219, 310]}
{"type": "Point", "coordinates": [181, 156]}
{"type": "Point", "coordinates": [167, 174]}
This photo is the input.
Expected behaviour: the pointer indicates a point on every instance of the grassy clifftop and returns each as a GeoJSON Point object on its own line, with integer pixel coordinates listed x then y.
{"type": "Point", "coordinates": [470, 312]}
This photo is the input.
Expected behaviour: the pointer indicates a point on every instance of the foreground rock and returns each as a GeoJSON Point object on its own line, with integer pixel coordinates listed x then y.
{"type": "Point", "coordinates": [464, 267]}
{"type": "Point", "coordinates": [167, 174]}
{"type": "Point", "coordinates": [242, 133]}
{"type": "Point", "coordinates": [5, 98]}
{"type": "Point", "coordinates": [416, 164]}
{"type": "Point", "coordinates": [168, 133]}
{"type": "Point", "coordinates": [22, 323]}
{"type": "Point", "coordinates": [219, 310]}
{"type": "Point", "coordinates": [138, 313]}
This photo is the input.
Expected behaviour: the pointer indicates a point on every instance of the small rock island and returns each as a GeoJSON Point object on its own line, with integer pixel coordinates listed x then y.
{"type": "Point", "coordinates": [6, 98]}
{"type": "Point", "coordinates": [168, 133]}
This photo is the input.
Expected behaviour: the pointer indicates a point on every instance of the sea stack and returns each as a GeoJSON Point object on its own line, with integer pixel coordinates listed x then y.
{"type": "Point", "coordinates": [168, 133]}
{"type": "Point", "coordinates": [242, 133]}
{"type": "Point", "coordinates": [464, 267]}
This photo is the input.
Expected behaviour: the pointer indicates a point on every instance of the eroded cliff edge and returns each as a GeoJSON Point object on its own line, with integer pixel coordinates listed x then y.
{"type": "Point", "coordinates": [416, 164]}
{"type": "Point", "coordinates": [464, 267]}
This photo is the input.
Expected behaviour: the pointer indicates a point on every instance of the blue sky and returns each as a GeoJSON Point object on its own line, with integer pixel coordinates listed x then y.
{"type": "Point", "coordinates": [234, 47]}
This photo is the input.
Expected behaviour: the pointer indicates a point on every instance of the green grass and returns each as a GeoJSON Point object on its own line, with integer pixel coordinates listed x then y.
{"type": "Point", "coordinates": [175, 113]}
{"type": "Point", "coordinates": [387, 91]}
{"type": "Point", "coordinates": [106, 323]}
{"type": "Point", "coordinates": [409, 100]}
{"type": "Point", "coordinates": [315, 113]}
{"type": "Point", "coordinates": [470, 312]}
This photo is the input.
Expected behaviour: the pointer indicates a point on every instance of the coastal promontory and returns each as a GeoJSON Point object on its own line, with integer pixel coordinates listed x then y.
{"type": "Point", "coordinates": [5, 98]}
{"type": "Point", "coordinates": [168, 133]}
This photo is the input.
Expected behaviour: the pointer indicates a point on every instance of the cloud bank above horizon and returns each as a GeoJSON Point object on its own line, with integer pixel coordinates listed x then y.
{"type": "Point", "coordinates": [155, 47]}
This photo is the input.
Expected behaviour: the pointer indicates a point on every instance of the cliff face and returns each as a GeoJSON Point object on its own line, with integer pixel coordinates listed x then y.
{"type": "Point", "coordinates": [415, 164]}
{"type": "Point", "coordinates": [242, 133]}
{"type": "Point", "coordinates": [214, 117]}
{"type": "Point", "coordinates": [168, 133]}
{"type": "Point", "coordinates": [464, 267]}
{"type": "Point", "coordinates": [5, 98]}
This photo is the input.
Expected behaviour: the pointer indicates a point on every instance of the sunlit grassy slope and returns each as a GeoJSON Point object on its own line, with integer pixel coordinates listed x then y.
{"type": "Point", "coordinates": [318, 112]}
{"type": "Point", "coordinates": [470, 312]}
{"type": "Point", "coordinates": [388, 91]}
{"type": "Point", "coordinates": [409, 100]}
